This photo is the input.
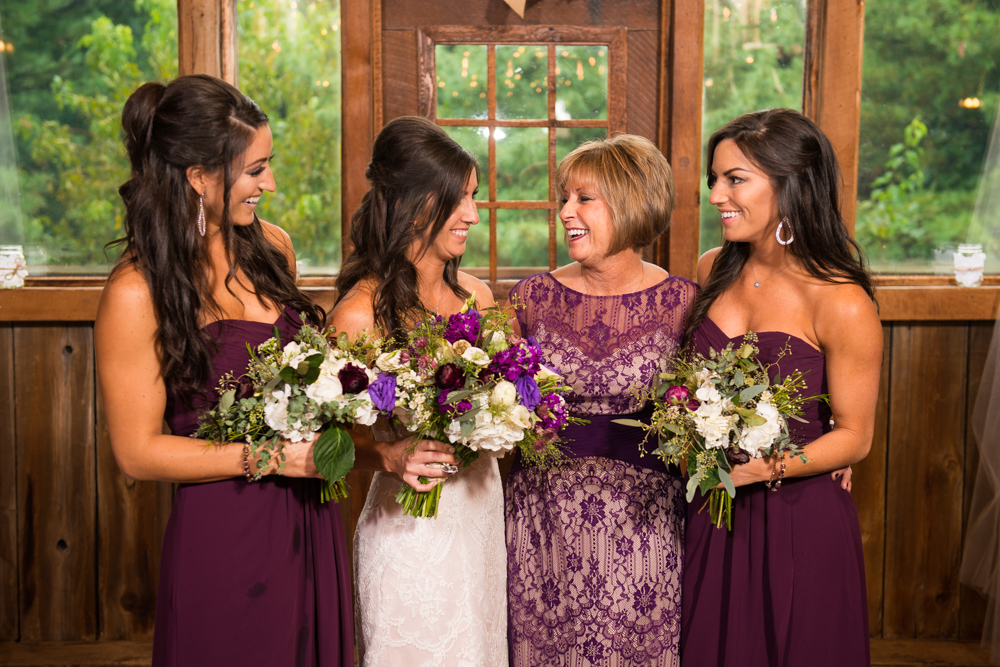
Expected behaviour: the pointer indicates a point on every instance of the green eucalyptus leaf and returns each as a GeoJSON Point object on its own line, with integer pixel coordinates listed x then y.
{"type": "Point", "coordinates": [727, 483]}
{"type": "Point", "coordinates": [456, 396]}
{"type": "Point", "coordinates": [629, 422]}
{"type": "Point", "coordinates": [467, 428]}
{"type": "Point", "coordinates": [751, 392]}
{"type": "Point", "coordinates": [753, 420]}
{"type": "Point", "coordinates": [288, 374]}
{"type": "Point", "coordinates": [227, 400]}
{"type": "Point", "coordinates": [692, 487]}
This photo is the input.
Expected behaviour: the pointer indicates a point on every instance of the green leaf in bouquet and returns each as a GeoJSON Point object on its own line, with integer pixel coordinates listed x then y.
{"type": "Point", "coordinates": [469, 416]}
{"type": "Point", "coordinates": [288, 374]}
{"type": "Point", "coordinates": [675, 428]}
{"type": "Point", "coordinates": [467, 428]}
{"type": "Point", "coordinates": [629, 422]}
{"type": "Point", "coordinates": [276, 335]}
{"type": "Point", "coordinates": [456, 396]}
{"type": "Point", "coordinates": [727, 483]}
{"type": "Point", "coordinates": [343, 341]}
{"type": "Point", "coordinates": [738, 378]}
{"type": "Point", "coordinates": [692, 487]}
{"type": "Point", "coordinates": [753, 420]}
{"type": "Point", "coordinates": [798, 419]}
{"type": "Point", "coordinates": [662, 390]}
{"type": "Point", "coordinates": [333, 453]}
{"type": "Point", "coordinates": [709, 480]}
{"type": "Point", "coordinates": [227, 401]}
{"type": "Point", "coordinates": [751, 392]}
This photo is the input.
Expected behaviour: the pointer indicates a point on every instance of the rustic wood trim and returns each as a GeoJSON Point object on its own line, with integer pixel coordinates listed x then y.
{"type": "Point", "coordinates": [375, 39]}
{"type": "Point", "coordinates": [513, 34]}
{"type": "Point", "coordinates": [229, 42]}
{"type": "Point", "coordinates": [680, 132]}
{"type": "Point", "coordinates": [831, 85]}
{"type": "Point", "coordinates": [617, 120]}
{"type": "Point", "coordinates": [426, 72]}
{"type": "Point", "coordinates": [518, 122]}
{"type": "Point", "coordinates": [360, 99]}
{"type": "Point", "coordinates": [551, 111]}
{"type": "Point", "coordinates": [518, 204]}
{"type": "Point", "coordinates": [199, 37]}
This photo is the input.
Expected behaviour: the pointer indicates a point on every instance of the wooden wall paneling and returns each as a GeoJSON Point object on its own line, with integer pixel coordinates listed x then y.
{"type": "Point", "coordinates": [8, 491]}
{"type": "Point", "coordinates": [972, 604]}
{"type": "Point", "coordinates": [54, 411]}
{"type": "Point", "coordinates": [131, 519]}
{"type": "Point", "coordinates": [926, 447]}
{"type": "Point", "coordinates": [358, 76]}
{"type": "Point", "coordinates": [869, 494]}
{"type": "Point", "coordinates": [643, 83]}
{"type": "Point", "coordinates": [832, 84]}
{"type": "Point", "coordinates": [199, 30]}
{"type": "Point", "coordinates": [680, 129]}
{"type": "Point", "coordinates": [399, 73]}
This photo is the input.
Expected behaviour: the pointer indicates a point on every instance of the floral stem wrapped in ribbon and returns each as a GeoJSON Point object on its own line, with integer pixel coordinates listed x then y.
{"type": "Point", "coordinates": [713, 413]}
{"type": "Point", "coordinates": [318, 382]}
{"type": "Point", "coordinates": [469, 380]}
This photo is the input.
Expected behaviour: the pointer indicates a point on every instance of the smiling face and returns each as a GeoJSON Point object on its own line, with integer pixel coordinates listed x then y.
{"type": "Point", "coordinates": [450, 241]}
{"type": "Point", "coordinates": [249, 182]}
{"type": "Point", "coordinates": [587, 220]}
{"type": "Point", "coordinates": [746, 200]}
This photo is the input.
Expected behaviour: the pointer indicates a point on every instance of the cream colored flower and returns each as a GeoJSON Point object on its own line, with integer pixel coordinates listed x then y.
{"type": "Point", "coordinates": [505, 393]}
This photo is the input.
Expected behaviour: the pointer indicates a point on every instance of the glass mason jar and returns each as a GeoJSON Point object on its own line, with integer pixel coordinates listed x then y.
{"type": "Point", "coordinates": [13, 268]}
{"type": "Point", "coordinates": [970, 262]}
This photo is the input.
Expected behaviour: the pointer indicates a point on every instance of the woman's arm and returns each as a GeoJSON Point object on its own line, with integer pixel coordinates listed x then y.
{"type": "Point", "coordinates": [353, 315]}
{"type": "Point", "coordinates": [849, 330]}
{"type": "Point", "coordinates": [135, 398]}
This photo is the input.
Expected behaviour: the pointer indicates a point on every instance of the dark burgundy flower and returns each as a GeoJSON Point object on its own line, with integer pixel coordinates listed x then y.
{"type": "Point", "coordinates": [449, 376]}
{"type": "Point", "coordinates": [736, 457]}
{"type": "Point", "coordinates": [677, 395]}
{"type": "Point", "coordinates": [244, 389]}
{"type": "Point", "coordinates": [353, 379]}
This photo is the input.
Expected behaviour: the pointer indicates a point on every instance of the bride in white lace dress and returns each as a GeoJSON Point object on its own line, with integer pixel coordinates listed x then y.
{"type": "Point", "coordinates": [428, 591]}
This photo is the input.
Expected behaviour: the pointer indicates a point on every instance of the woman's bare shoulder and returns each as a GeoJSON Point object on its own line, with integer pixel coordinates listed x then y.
{"type": "Point", "coordinates": [281, 240]}
{"type": "Point", "coordinates": [355, 313]}
{"type": "Point", "coordinates": [484, 295]}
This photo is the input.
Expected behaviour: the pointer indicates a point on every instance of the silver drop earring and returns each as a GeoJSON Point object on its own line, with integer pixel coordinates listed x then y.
{"type": "Point", "coordinates": [791, 234]}
{"type": "Point", "coordinates": [201, 214]}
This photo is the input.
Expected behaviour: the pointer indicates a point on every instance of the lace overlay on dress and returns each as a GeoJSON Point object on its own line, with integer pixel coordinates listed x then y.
{"type": "Point", "coordinates": [432, 592]}
{"type": "Point", "coordinates": [594, 546]}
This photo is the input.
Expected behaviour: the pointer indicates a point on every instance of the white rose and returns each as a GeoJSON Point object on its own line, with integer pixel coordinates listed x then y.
{"type": "Point", "coordinates": [365, 414]}
{"type": "Point", "coordinates": [276, 409]}
{"type": "Point", "coordinates": [519, 416]}
{"type": "Point", "coordinates": [505, 393]}
{"type": "Point", "coordinates": [292, 355]}
{"type": "Point", "coordinates": [476, 356]}
{"type": "Point", "coordinates": [708, 394]}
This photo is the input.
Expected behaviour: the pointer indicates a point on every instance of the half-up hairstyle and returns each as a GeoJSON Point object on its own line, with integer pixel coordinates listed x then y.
{"type": "Point", "coordinates": [417, 176]}
{"type": "Point", "coordinates": [195, 121]}
{"type": "Point", "coordinates": [802, 168]}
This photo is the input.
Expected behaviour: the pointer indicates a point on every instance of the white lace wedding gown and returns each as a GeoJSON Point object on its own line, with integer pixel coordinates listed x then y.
{"type": "Point", "coordinates": [433, 592]}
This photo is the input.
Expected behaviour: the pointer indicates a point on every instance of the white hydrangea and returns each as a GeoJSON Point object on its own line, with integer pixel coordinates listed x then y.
{"type": "Point", "coordinates": [754, 439]}
{"type": "Point", "coordinates": [292, 355]}
{"type": "Point", "coordinates": [713, 424]}
{"type": "Point", "coordinates": [490, 434]}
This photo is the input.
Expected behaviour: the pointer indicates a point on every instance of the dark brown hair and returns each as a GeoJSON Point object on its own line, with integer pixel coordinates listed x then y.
{"type": "Point", "coordinates": [634, 180]}
{"type": "Point", "coordinates": [418, 176]}
{"type": "Point", "coordinates": [802, 168]}
{"type": "Point", "coordinates": [193, 121]}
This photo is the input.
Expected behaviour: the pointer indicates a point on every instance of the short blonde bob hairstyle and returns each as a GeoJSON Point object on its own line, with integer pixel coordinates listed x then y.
{"type": "Point", "coordinates": [634, 180]}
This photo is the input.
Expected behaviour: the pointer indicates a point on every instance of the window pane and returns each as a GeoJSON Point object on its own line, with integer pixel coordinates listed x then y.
{"type": "Point", "coordinates": [476, 141]}
{"type": "Point", "coordinates": [569, 139]}
{"type": "Point", "coordinates": [290, 65]}
{"type": "Point", "coordinates": [477, 245]}
{"type": "Point", "coordinates": [753, 60]}
{"type": "Point", "coordinates": [581, 82]}
{"type": "Point", "coordinates": [522, 163]}
{"type": "Point", "coordinates": [461, 80]}
{"type": "Point", "coordinates": [523, 237]}
{"type": "Point", "coordinates": [69, 67]}
{"type": "Point", "coordinates": [522, 82]}
{"type": "Point", "coordinates": [929, 100]}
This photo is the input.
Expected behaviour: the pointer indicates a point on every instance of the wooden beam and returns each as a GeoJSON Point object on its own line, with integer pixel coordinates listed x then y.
{"type": "Point", "coordinates": [359, 31]}
{"type": "Point", "coordinates": [832, 84]}
{"type": "Point", "coordinates": [206, 38]}
{"type": "Point", "coordinates": [683, 35]}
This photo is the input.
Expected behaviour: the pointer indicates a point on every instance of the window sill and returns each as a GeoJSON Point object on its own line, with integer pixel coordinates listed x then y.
{"type": "Point", "coordinates": [901, 298]}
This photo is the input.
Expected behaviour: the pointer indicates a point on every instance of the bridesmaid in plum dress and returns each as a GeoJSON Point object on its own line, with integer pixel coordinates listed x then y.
{"type": "Point", "coordinates": [786, 586]}
{"type": "Point", "coordinates": [594, 546]}
{"type": "Point", "coordinates": [254, 569]}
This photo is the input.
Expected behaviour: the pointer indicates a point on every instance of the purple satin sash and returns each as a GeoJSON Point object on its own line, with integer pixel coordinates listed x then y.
{"type": "Point", "coordinates": [605, 439]}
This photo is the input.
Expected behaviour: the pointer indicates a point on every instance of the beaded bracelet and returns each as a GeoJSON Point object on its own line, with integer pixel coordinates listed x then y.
{"type": "Point", "coordinates": [773, 484]}
{"type": "Point", "coordinates": [251, 477]}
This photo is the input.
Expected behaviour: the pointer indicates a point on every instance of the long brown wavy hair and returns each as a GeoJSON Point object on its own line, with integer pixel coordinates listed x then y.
{"type": "Point", "coordinates": [802, 167]}
{"type": "Point", "coordinates": [193, 121]}
{"type": "Point", "coordinates": [418, 176]}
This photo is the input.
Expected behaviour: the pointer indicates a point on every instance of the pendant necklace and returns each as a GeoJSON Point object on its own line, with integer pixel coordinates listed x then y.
{"type": "Point", "coordinates": [756, 283]}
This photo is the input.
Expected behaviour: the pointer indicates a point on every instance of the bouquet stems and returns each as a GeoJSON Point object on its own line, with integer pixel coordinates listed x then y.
{"type": "Point", "coordinates": [335, 491]}
{"type": "Point", "coordinates": [424, 505]}
{"type": "Point", "coordinates": [720, 508]}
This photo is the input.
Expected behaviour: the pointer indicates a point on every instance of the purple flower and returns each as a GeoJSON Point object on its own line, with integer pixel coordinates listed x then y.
{"type": "Point", "coordinates": [463, 326]}
{"type": "Point", "coordinates": [552, 411]}
{"type": "Point", "coordinates": [677, 395]}
{"type": "Point", "coordinates": [449, 376]}
{"type": "Point", "coordinates": [516, 360]}
{"type": "Point", "coordinates": [456, 408]}
{"type": "Point", "coordinates": [527, 389]}
{"type": "Point", "coordinates": [383, 392]}
{"type": "Point", "coordinates": [353, 379]}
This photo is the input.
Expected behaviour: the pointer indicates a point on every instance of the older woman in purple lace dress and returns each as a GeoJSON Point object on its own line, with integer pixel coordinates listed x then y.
{"type": "Point", "coordinates": [594, 547]}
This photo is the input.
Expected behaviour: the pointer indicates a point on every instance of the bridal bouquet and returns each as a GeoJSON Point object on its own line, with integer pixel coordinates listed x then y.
{"type": "Point", "coordinates": [469, 380]}
{"type": "Point", "coordinates": [716, 412]}
{"type": "Point", "coordinates": [317, 382]}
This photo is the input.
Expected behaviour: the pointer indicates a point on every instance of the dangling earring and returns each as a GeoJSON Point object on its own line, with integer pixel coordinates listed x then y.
{"type": "Point", "coordinates": [201, 214]}
{"type": "Point", "coordinates": [791, 234]}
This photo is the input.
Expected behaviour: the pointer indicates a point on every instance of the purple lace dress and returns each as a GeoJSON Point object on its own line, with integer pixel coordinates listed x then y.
{"type": "Point", "coordinates": [594, 546]}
